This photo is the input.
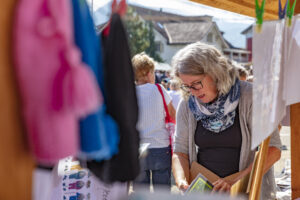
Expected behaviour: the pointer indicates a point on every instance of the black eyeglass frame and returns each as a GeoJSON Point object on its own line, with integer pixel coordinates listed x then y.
{"type": "Point", "coordinates": [194, 86]}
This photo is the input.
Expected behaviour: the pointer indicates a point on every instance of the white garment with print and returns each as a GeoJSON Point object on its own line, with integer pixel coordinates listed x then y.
{"type": "Point", "coordinates": [291, 62]}
{"type": "Point", "coordinates": [268, 103]}
{"type": "Point", "coordinates": [151, 123]}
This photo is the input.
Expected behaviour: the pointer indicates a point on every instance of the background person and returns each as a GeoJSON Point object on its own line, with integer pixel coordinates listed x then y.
{"type": "Point", "coordinates": [243, 74]}
{"type": "Point", "coordinates": [151, 123]}
{"type": "Point", "coordinates": [165, 82]}
{"type": "Point", "coordinates": [175, 92]}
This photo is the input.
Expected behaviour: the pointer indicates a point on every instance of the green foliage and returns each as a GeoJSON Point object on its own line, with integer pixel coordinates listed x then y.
{"type": "Point", "coordinates": [140, 35]}
{"type": "Point", "coordinates": [151, 50]}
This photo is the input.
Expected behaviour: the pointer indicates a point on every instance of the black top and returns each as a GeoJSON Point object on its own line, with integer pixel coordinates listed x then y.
{"type": "Point", "coordinates": [219, 152]}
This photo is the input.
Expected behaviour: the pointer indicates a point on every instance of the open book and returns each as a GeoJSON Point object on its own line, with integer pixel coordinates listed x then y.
{"type": "Point", "coordinates": [239, 187]}
{"type": "Point", "coordinates": [199, 184]}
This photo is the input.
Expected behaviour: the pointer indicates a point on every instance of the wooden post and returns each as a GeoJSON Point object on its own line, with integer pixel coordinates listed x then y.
{"type": "Point", "coordinates": [295, 150]}
{"type": "Point", "coordinates": [297, 8]}
{"type": "Point", "coordinates": [295, 139]}
{"type": "Point", "coordinates": [258, 170]}
{"type": "Point", "coordinates": [16, 163]}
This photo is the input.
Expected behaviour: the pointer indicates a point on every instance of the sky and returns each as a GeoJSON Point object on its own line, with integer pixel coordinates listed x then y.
{"type": "Point", "coordinates": [230, 23]}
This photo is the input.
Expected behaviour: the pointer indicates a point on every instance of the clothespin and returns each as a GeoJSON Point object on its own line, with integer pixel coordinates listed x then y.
{"type": "Point", "coordinates": [259, 10]}
{"type": "Point", "coordinates": [281, 12]}
{"type": "Point", "coordinates": [290, 12]}
{"type": "Point", "coordinates": [119, 8]}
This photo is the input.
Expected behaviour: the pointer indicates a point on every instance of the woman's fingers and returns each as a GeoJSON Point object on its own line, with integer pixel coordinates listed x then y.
{"type": "Point", "coordinates": [221, 186]}
{"type": "Point", "coordinates": [183, 185]}
{"type": "Point", "coordinates": [217, 184]}
{"type": "Point", "coordinates": [224, 187]}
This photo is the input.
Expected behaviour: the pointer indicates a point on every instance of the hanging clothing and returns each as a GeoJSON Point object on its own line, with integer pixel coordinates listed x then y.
{"type": "Point", "coordinates": [56, 87]}
{"type": "Point", "coordinates": [42, 183]}
{"type": "Point", "coordinates": [99, 136]}
{"type": "Point", "coordinates": [120, 98]}
{"type": "Point", "coordinates": [291, 62]}
{"type": "Point", "coordinates": [268, 102]}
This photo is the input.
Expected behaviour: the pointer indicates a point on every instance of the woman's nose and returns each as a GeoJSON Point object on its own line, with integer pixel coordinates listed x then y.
{"type": "Point", "coordinates": [194, 92]}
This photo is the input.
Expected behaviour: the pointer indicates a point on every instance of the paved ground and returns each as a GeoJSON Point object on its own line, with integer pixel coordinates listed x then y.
{"type": "Point", "coordinates": [285, 134]}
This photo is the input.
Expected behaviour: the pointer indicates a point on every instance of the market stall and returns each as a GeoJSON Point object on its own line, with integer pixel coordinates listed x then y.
{"type": "Point", "coordinates": [16, 161]}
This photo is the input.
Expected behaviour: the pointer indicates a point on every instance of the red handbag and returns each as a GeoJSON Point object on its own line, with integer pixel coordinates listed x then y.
{"type": "Point", "coordinates": [170, 123]}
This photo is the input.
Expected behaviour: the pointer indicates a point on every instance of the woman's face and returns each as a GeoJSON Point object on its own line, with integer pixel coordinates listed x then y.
{"type": "Point", "coordinates": [201, 86]}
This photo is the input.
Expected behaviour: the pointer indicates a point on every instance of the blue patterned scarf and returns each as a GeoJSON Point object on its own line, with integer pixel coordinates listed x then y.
{"type": "Point", "coordinates": [218, 115]}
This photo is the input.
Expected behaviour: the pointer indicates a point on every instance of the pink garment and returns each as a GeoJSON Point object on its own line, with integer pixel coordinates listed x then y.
{"type": "Point", "coordinates": [56, 87]}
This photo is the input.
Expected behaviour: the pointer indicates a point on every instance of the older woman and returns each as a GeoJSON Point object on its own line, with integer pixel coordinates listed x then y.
{"type": "Point", "coordinates": [151, 123]}
{"type": "Point", "coordinates": [213, 124]}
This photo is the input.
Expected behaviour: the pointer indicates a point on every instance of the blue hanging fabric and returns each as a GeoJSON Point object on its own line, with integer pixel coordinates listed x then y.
{"type": "Point", "coordinates": [281, 12]}
{"type": "Point", "coordinates": [99, 134]}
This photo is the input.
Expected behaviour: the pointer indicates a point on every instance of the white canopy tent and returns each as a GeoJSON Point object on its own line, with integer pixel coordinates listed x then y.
{"type": "Point", "coordinates": [162, 66]}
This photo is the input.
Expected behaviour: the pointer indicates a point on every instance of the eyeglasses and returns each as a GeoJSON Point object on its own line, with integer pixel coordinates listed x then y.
{"type": "Point", "coordinates": [195, 86]}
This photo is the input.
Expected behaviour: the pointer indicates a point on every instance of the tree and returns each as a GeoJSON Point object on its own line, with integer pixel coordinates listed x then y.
{"type": "Point", "coordinates": [151, 50]}
{"type": "Point", "coordinates": [140, 35]}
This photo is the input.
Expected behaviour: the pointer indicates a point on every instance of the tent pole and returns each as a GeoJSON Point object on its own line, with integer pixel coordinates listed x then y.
{"type": "Point", "coordinates": [295, 150]}
{"type": "Point", "coordinates": [16, 160]}
{"type": "Point", "coordinates": [258, 170]}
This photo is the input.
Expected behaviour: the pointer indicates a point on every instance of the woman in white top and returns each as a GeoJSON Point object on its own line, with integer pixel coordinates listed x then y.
{"type": "Point", "coordinates": [151, 123]}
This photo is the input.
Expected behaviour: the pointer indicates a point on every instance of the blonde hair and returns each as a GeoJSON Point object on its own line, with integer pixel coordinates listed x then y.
{"type": "Point", "coordinates": [174, 84]}
{"type": "Point", "coordinates": [142, 65]}
{"type": "Point", "coordinates": [199, 58]}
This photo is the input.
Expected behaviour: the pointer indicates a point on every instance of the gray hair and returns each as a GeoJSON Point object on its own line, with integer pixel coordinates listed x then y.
{"type": "Point", "coordinates": [199, 58]}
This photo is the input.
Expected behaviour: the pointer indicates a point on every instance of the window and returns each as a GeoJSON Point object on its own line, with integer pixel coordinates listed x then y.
{"type": "Point", "coordinates": [209, 38]}
{"type": "Point", "coordinates": [158, 46]}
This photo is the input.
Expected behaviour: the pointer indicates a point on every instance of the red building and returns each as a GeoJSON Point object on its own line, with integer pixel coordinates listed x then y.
{"type": "Point", "coordinates": [248, 32]}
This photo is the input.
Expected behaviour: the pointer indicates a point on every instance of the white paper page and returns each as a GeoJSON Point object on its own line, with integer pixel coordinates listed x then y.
{"type": "Point", "coordinates": [268, 104]}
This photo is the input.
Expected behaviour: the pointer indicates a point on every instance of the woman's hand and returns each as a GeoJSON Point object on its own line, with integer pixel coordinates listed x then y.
{"type": "Point", "coordinates": [180, 168]}
{"type": "Point", "coordinates": [182, 185]}
{"type": "Point", "coordinates": [221, 185]}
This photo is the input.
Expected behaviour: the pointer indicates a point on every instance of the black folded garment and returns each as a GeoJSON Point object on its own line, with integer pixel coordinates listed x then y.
{"type": "Point", "coordinates": [121, 101]}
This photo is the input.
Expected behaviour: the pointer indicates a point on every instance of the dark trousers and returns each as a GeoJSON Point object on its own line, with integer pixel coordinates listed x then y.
{"type": "Point", "coordinates": [158, 162]}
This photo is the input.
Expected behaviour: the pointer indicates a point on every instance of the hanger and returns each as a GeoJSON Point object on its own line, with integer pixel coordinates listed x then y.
{"type": "Point", "coordinates": [116, 8]}
{"type": "Point", "coordinates": [119, 8]}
